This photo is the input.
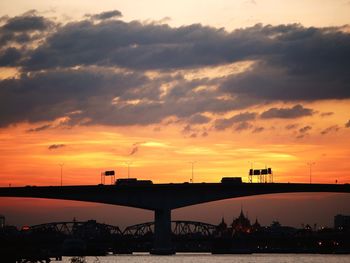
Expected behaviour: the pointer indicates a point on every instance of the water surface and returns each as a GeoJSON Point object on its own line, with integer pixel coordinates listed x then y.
{"type": "Point", "coordinates": [208, 258]}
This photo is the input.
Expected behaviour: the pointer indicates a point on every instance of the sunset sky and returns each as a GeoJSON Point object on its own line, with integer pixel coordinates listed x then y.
{"type": "Point", "coordinates": [95, 85]}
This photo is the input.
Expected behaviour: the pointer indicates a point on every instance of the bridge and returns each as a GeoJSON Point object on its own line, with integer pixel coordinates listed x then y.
{"type": "Point", "coordinates": [162, 198]}
{"type": "Point", "coordinates": [76, 227]}
{"type": "Point", "coordinates": [71, 228]}
{"type": "Point", "coordinates": [178, 228]}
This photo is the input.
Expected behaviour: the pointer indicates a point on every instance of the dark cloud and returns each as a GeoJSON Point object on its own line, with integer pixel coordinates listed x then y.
{"type": "Point", "coordinates": [193, 135]}
{"type": "Point", "coordinates": [303, 132]}
{"type": "Point", "coordinates": [107, 15]}
{"type": "Point", "coordinates": [97, 67]}
{"type": "Point", "coordinates": [22, 31]}
{"type": "Point", "coordinates": [194, 132]}
{"type": "Point", "coordinates": [330, 129]}
{"type": "Point", "coordinates": [305, 129]}
{"type": "Point", "coordinates": [89, 91]}
{"type": "Point", "coordinates": [40, 128]}
{"type": "Point", "coordinates": [132, 45]}
{"type": "Point", "coordinates": [244, 125]}
{"type": "Point", "coordinates": [326, 114]}
{"type": "Point", "coordinates": [9, 57]}
{"type": "Point", "coordinates": [347, 125]}
{"type": "Point", "coordinates": [258, 129]}
{"type": "Point", "coordinates": [198, 119]}
{"type": "Point", "coordinates": [134, 150]}
{"type": "Point", "coordinates": [222, 124]}
{"type": "Point", "coordinates": [108, 97]}
{"type": "Point", "coordinates": [26, 23]}
{"type": "Point", "coordinates": [287, 113]}
{"type": "Point", "coordinates": [284, 51]}
{"type": "Point", "coordinates": [56, 146]}
{"type": "Point", "coordinates": [187, 129]}
{"type": "Point", "coordinates": [291, 126]}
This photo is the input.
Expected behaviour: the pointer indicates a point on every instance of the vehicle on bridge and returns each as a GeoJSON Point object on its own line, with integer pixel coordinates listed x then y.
{"type": "Point", "coordinates": [231, 180]}
{"type": "Point", "coordinates": [132, 182]}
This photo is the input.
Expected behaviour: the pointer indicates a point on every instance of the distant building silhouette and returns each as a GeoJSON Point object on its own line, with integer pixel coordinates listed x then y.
{"type": "Point", "coordinates": [256, 226]}
{"type": "Point", "coordinates": [2, 221]}
{"type": "Point", "coordinates": [342, 222]}
{"type": "Point", "coordinates": [222, 230]}
{"type": "Point", "coordinates": [241, 224]}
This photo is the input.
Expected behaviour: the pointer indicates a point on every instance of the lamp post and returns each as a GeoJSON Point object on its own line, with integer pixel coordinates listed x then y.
{"type": "Point", "coordinates": [192, 164]}
{"type": "Point", "coordinates": [128, 164]}
{"type": "Point", "coordinates": [250, 176]}
{"type": "Point", "coordinates": [310, 164]}
{"type": "Point", "coordinates": [61, 165]}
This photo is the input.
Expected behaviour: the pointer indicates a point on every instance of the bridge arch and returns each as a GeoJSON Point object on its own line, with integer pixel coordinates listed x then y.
{"type": "Point", "coordinates": [178, 228]}
{"type": "Point", "coordinates": [76, 227]}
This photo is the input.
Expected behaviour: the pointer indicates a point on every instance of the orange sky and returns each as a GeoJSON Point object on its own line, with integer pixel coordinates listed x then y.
{"type": "Point", "coordinates": [164, 152]}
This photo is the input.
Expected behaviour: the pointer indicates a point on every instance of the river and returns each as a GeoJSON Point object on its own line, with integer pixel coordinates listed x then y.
{"type": "Point", "coordinates": [208, 258]}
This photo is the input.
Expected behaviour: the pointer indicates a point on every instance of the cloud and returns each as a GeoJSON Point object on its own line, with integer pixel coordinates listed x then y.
{"type": "Point", "coordinates": [194, 132]}
{"type": "Point", "coordinates": [305, 129]}
{"type": "Point", "coordinates": [244, 125]}
{"type": "Point", "coordinates": [303, 132]}
{"type": "Point", "coordinates": [187, 129]}
{"type": "Point", "coordinates": [98, 67]}
{"type": "Point", "coordinates": [193, 135]}
{"type": "Point", "coordinates": [22, 31]}
{"type": "Point", "coordinates": [107, 15]}
{"type": "Point", "coordinates": [287, 113]}
{"type": "Point", "coordinates": [135, 148]}
{"type": "Point", "coordinates": [286, 59]}
{"type": "Point", "coordinates": [91, 91]}
{"type": "Point", "coordinates": [291, 126]}
{"type": "Point", "coordinates": [56, 146]}
{"type": "Point", "coordinates": [330, 129]}
{"type": "Point", "coordinates": [347, 125]}
{"type": "Point", "coordinates": [258, 129]}
{"type": "Point", "coordinates": [9, 57]}
{"type": "Point", "coordinates": [198, 119]}
{"type": "Point", "coordinates": [26, 23]}
{"type": "Point", "coordinates": [326, 114]}
{"type": "Point", "coordinates": [40, 128]}
{"type": "Point", "coordinates": [222, 124]}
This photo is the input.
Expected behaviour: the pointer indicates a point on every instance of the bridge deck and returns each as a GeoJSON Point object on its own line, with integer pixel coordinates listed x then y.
{"type": "Point", "coordinates": [170, 196]}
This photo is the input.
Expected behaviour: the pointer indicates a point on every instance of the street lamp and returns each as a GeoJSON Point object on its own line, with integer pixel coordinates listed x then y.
{"type": "Point", "coordinates": [250, 175]}
{"type": "Point", "coordinates": [310, 164]}
{"type": "Point", "coordinates": [128, 164]}
{"type": "Point", "coordinates": [192, 164]}
{"type": "Point", "coordinates": [251, 164]}
{"type": "Point", "coordinates": [61, 165]}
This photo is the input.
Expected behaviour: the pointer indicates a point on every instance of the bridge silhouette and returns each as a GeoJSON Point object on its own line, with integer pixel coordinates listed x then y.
{"type": "Point", "coordinates": [162, 198]}
{"type": "Point", "coordinates": [179, 227]}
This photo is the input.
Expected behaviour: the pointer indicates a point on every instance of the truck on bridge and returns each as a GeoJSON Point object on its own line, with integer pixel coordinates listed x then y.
{"type": "Point", "coordinates": [132, 181]}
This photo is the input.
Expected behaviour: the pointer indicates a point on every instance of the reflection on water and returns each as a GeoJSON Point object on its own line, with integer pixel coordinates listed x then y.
{"type": "Point", "coordinates": [208, 258]}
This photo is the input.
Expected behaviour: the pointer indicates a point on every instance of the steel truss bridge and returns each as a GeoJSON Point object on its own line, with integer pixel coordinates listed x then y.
{"type": "Point", "coordinates": [91, 227]}
{"type": "Point", "coordinates": [75, 227]}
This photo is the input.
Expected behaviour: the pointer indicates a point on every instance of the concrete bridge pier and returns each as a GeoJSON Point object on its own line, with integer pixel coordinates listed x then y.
{"type": "Point", "coordinates": [162, 233]}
